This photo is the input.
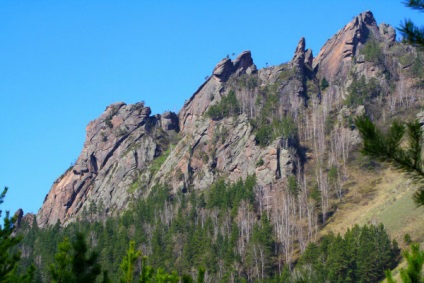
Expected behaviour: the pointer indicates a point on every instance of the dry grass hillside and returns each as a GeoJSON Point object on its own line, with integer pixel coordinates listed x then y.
{"type": "Point", "coordinates": [379, 195]}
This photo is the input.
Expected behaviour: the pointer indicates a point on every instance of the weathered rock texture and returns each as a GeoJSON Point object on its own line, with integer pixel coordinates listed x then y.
{"type": "Point", "coordinates": [335, 58]}
{"type": "Point", "coordinates": [127, 151]}
{"type": "Point", "coordinates": [120, 143]}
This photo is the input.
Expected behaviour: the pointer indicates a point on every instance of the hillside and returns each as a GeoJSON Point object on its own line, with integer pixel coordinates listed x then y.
{"type": "Point", "coordinates": [252, 153]}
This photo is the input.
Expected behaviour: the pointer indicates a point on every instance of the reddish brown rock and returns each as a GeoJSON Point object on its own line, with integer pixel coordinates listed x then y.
{"type": "Point", "coordinates": [335, 58]}
{"type": "Point", "coordinates": [119, 144]}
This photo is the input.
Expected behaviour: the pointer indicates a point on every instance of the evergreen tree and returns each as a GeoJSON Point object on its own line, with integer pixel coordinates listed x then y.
{"type": "Point", "coordinates": [72, 264]}
{"type": "Point", "coordinates": [386, 147]}
{"type": "Point", "coordinates": [413, 272]}
{"type": "Point", "coordinates": [410, 32]}
{"type": "Point", "coordinates": [85, 268]}
{"type": "Point", "coordinates": [361, 255]}
{"type": "Point", "coordinates": [8, 259]}
{"type": "Point", "coordinates": [61, 270]}
{"type": "Point", "coordinates": [128, 263]}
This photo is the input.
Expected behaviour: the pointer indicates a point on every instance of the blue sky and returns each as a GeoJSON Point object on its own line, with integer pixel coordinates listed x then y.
{"type": "Point", "coordinates": [63, 62]}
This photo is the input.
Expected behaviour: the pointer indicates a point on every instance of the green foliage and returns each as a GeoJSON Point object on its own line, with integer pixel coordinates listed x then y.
{"type": "Point", "coordinates": [266, 132]}
{"type": "Point", "coordinates": [248, 81]}
{"type": "Point", "coordinates": [72, 264]}
{"type": "Point", "coordinates": [228, 106]}
{"type": "Point", "coordinates": [128, 263]}
{"type": "Point", "coordinates": [386, 147]}
{"type": "Point", "coordinates": [202, 230]}
{"type": "Point", "coordinates": [361, 255]}
{"type": "Point", "coordinates": [417, 68]}
{"type": "Point", "coordinates": [286, 73]}
{"type": "Point", "coordinates": [373, 52]}
{"type": "Point", "coordinates": [158, 161]}
{"type": "Point", "coordinates": [263, 135]}
{"type": "Point", "coordinates": [360, 90]}
{"type": "Point", "coordinates": [410, 32]}
{"type": "Point", "coordinates": [292, 186]}
{"type": "Point", "coordinates": [228, 196]}
{"type": "Point", "coordinates": [324, 84]}
{"type": "Point", "coordinates": [260, 162]}
{"type": "Point", "coordinates": [413, 272]}
{"type": "Point", "coordinates": [270, 124]}
{"type": "Point", "coordinates": [414, 65]}
{"type": "Point", "coordinates": [407, 239]}
{"type": "Point", "coordinates": [108, 121]}
{"type": "Point", "coordinates": [61, 270]}
{"type": "Point", "coordinates": [8, 259]}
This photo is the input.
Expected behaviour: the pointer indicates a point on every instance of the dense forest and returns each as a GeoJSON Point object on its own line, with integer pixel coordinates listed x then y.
{"type": "Point", "coordinates": [219, 233]}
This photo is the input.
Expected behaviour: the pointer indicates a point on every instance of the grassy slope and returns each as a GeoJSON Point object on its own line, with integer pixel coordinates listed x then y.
{"type": "Point", "coordinates": [380, 196]}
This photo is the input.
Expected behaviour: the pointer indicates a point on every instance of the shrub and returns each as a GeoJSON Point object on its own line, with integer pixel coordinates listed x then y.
{"type": "Point", "coordinates": [360, 90]}
{"type": "Point", "coordinates": [324, 84]}
{"type": "Point", "coordinates": [228, 106]}
{"type": "Point", "coordinates": [260, 162]}
{"type": "Point", "coordinates": [372, 52]}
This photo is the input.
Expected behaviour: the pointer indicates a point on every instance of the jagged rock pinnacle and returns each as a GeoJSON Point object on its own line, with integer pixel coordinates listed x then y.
{"type": "Point", "coordinates": [335, 56]}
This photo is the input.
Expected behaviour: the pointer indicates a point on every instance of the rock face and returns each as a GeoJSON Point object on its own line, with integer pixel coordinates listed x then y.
{"type": "Point", "coordinates": [335, 58]}
{"type": "Point", "coordinates": [120, 143]}
{"type": "Point", "coordinates": [212, 89]}
{"type": "Point", "coordinates": [127, 151]}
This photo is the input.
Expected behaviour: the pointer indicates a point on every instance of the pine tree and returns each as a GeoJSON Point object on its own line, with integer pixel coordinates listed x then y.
{"type": "Point", "coordinates": [8, 259]}
{"type": "Point", "coordinates": [128, 263]}
{"type": "Point", "coordinates": [410, 32]}
{"type": "Point", "coordinates": [386, 147]}
{"type": "Point", "coordinates": [72, 264]}
{"type": "Point", "coordinates": [85, 268]}
{"type": "Point", "coordinates": [413, 272]}
{"type": "Point", "coordinates": [61, 270]}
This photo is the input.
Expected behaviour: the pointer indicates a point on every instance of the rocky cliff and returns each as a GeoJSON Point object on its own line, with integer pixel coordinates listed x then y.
{"type": "Point", "coordinates": [120, 143]}
{"type": "Point", "coordinates": [275, 127]}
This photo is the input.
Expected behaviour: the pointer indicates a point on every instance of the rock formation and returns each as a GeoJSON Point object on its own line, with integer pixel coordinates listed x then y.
{"type": "Point", "coordinates": [120, 143]}
{"type": "Point", "coordinates": [335, 58]}
{"type": "Point", "coordinates": [128, 151]}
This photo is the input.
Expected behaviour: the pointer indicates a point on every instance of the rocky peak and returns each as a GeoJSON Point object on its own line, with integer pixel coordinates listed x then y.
{"type": "Point", "coordinates": [244, 63]}
{"type": "Point", "coordinates": [299, 53]}
{"type": "Point", "coordinates": [210, 91]}
{"type": "Point", "coordinates": [334, 59]}
{"type": "Point", "coordinates": [119, 144]}
{"type": "Point", "coordinates": [225, 68]}
{"type": "Point", "coordinates": [387, 32]}
{"type": "Point", "coordinates": [309, 57]}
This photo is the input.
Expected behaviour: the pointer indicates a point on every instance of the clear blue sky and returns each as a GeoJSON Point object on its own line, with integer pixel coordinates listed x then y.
{"type": "Point", "coordinates": [63, 62]}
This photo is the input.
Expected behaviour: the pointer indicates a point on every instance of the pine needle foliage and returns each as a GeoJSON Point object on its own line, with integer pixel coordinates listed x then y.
{"type": "Point", "coordinates": [8, 259]}
{"type": "Point", "coordinates": [387, 147]}
{"type": "Point", "coordinates": [74, 264]}
{"type": "Point", "coordinates": [413, 272]}
{"type": "Point", "coordinates": [411, 33]}
{"type": "Point", "coordinates": [128, 263]}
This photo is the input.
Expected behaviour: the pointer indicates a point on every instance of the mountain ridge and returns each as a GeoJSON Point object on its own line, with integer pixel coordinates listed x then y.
{"type": "Point", "coordinates": [127, 151]}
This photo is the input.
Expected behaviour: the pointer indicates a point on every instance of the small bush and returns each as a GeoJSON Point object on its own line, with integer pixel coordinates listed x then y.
{"type": "Point", "coordinates": [228, 106]}
{"type": "Point", "coordinates": [360, 90]}
{"type": "Point", "coordinates": [324, 84]}
{"type": "Point", "coordinates": [108, 122]}
{"type": "Point", "coordinates": [372, 52]}
{"type": "Point", "coordinates": [260, 162]}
